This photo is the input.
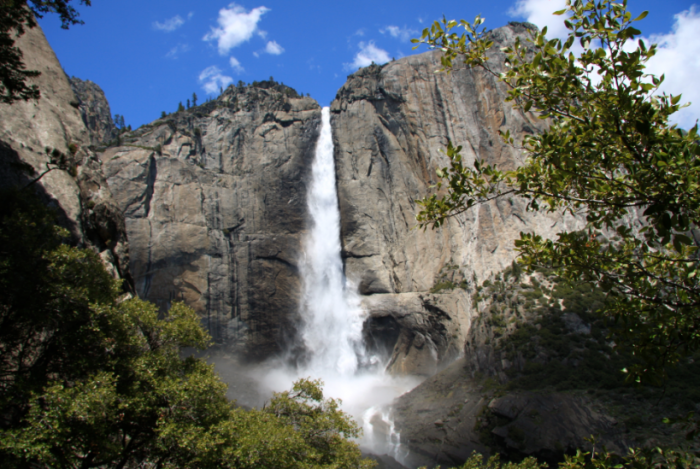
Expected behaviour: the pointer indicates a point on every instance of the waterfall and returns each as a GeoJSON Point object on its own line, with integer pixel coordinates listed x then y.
{"type": "Point", "coordinates": [332, 319]}
{"type": "Point", "coordinates": [330, 307]}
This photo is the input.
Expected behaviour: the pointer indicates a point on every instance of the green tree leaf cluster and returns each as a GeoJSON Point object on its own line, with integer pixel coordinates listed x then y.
{"type": "Point", "coordinates": [609, 156]}
{"type": "Point", "coordinates": [87, 380]}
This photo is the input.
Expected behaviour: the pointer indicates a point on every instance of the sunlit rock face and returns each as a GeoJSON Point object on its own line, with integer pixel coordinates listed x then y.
{"type": "Point", "coordinates": [35, 133]}
{"type": "Point", "coordinates": [390, 124]}
{"type": "Point", "coordinates": [215, 205]}
{"type": "Point", "coordinates": [214, 200]}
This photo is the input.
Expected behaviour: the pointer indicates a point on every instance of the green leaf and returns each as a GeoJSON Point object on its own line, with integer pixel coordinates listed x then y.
{"type": "Point", "coordinates": [642, 16]}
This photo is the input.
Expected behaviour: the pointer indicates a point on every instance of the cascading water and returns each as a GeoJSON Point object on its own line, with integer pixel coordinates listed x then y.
{"type": "Point", "coordinates": [332, 329]}
{"type": "Point", "coordinates": [332, 319]}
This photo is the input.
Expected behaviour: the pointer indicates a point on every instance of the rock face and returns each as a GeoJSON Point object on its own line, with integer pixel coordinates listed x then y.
{"type": "Point", "coordinates": [215, 205]}
{"type": "Point", "coordinates": [390, 123]}
{"type": "Point", "coordinates": [416, 332]}
{"type": "Point", "coordinates": [437, 419]}
{"type": "Point", "coordinates": [94, 110]}
{"type": "Point", "coordinates": [451, 415]}
{"type": "Point", "coordinates": [37, 133]}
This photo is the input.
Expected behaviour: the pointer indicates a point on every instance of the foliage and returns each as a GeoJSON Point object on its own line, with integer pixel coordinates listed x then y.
{"type": "Point", "coordinates": [15, 17]}
{"type": "Point", "coordinates": [651, 458]}
{"type": "Point", "coordinates": [609, 155]}
{"type": "Point", "coordinates": [119, 122]}
{"type": "Point", "coordinates": [476, 461]}
{"type": "Point", "coordinates": [88, 381]}
{"type": "Point", "coordinates": [320, 423]}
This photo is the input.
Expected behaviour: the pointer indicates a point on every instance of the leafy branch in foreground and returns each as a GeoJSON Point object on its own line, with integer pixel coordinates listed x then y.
{"type": "Point", "coordinates": [609, 155]}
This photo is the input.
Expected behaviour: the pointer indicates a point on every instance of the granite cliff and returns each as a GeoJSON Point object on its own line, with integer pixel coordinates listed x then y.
{"type": "Point", "coordinates": [213, 198]}
{"type": "Point", "coordinates": [51, 130]}
{"type": "Point", "coordinates": [215, 205]}
{"type": "Point", "coordinates": [94, 110]}
{"type": "Point", "coordinates": [390, 125]}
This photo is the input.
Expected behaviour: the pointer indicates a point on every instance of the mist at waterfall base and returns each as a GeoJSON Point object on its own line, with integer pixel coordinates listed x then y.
{"type": "Point", "coordinates": [332, 319]}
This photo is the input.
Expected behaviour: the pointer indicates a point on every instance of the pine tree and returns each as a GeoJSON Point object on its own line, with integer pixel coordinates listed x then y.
{"type": "Point", "coordinates": [180, 107]}
{"type": "Point", "coordinates": [194, 99]}
{"type": "Point", "coordinates": [188, 104]}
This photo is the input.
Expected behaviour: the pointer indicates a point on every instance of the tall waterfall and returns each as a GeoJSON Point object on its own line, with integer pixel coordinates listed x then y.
{"type": "Point", "coordinates": [332, 319]}
{"type": "Point", "coordinates": [332, 329]}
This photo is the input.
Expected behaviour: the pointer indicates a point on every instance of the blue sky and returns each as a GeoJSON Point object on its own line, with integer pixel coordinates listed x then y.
{"type": "Point", "coordinates": [149, 55]}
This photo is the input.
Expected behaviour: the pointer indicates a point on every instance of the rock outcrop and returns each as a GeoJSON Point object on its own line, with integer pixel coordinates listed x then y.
{"type": "Point", "coordinates": [94, 110]}
{"type": "Point", "coordinates": [390, 124]}
{"type": "Point", "coordinates": [215, 205]}
{"type": "Point", "coordinates": [37, 133]}
{"type": "Point", "coordinates": [451, 415]}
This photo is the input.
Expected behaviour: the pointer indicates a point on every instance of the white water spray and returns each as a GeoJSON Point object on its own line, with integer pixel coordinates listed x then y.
{"type": "Point", "coordinates": [332, 319]}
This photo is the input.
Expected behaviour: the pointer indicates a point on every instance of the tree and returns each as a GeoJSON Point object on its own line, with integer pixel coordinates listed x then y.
{"type": "Point", "coordinates": [180, 107]}
{"type": "Point", "coordinates": [89, 381]}
{"type": "Point", "coordinates": [119, 122]}
{"type": "Point", "coordinates": [188, 104]}
{"type": "Point", "coordinates": [194, 99]}
{"type": "Point", "coordinates": [609, 155]}
{"type": "Point", "coordinates": [15, 17]}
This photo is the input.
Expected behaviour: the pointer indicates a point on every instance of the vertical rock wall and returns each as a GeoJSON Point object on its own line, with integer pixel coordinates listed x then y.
{"type": "Point", "coordinates": [215, 205]}
{"type": "Point", "coordinates": [390, 125]}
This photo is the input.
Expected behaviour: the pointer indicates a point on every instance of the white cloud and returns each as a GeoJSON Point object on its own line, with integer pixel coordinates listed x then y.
{"type": "Point", "coordinates": [539, 12]}
{"type": "Point", "coordinates": [175, 52]}
{"type": "Point", "coordinates": [368, 53]}
{"type": "Point", "coordinates": [677, 57]}
{"type": "Point", "coordinates": [212, 79]}
{"type": "Point", "coordinates": [169, 25]}
{"type": "Point", "coordinates": [236, 65]}
{"type": "Point", "coordinates": [236, 26]}
{"type": "Point", "coordinates": [404, 34]}
{"type": "Point", "coordinates": [273, 48]}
